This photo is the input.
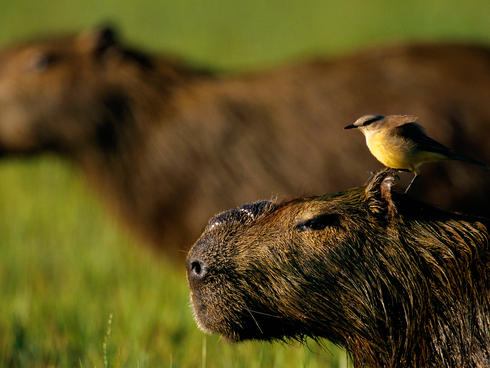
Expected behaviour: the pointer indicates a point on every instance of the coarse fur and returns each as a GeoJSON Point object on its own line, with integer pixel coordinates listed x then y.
{"type": "Point", "coordinates": [396, 282]}
{"type": "Point", "coordinates": [166, 144]}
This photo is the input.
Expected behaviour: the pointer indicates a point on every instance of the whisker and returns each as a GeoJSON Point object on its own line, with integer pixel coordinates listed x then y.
{"type": "Point", "coordinates": [251, 315]}
{"type": "Point", "coordinates": [265, 314]}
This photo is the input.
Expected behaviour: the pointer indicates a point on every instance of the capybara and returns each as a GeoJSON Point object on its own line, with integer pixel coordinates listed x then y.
{"type": "Point", "coordinates": [167, 144]}
{"type": "Point", "coordinates": [397, 282]}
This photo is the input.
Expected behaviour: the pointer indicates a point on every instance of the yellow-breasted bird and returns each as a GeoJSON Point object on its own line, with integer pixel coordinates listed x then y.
{"type": "Point", "coordinates": [398, 142]}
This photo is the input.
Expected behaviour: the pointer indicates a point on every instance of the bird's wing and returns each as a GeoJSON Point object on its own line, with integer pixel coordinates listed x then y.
{"type": "Point", "coordinates": [397, 120]}
{"type": "Point", "coordinates": [415, 133]}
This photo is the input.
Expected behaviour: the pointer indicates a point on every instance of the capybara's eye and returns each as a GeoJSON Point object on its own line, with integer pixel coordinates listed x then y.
{"type": "Point", "coordinates": [319, 222]}
{"type": "Point", "coordinates": [42, 61]}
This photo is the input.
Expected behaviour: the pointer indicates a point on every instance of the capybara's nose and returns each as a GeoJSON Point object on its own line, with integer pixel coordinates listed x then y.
{"type": "Point", "coordinates": [197, 269]}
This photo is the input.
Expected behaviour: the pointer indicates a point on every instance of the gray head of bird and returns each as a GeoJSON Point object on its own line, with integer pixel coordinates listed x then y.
{"type": "Point", "coordinates": [367, 122]}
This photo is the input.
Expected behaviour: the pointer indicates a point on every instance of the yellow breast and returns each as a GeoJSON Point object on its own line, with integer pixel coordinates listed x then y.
{"type": "Point", "coordinates": [391, 151]}
{"type": "Point", "coordinates": [398, 153]}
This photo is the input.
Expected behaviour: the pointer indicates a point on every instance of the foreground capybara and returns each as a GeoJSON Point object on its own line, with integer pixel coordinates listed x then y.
{"type": "Point", "coordinates": [396, 282]}
{"type": "Point", "coordinates": [166, 144]}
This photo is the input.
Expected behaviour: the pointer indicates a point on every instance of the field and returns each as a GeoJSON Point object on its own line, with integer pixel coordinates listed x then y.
{"type": "Point", "coordinates": [75, 289]}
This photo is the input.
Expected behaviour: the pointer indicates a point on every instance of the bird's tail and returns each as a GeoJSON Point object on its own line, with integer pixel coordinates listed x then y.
{"type": "Point", "coordinates": [457, 156]}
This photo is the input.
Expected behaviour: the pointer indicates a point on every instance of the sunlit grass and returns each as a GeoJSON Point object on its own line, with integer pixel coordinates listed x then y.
{"type": "Point", "coordinates": [244, 34]}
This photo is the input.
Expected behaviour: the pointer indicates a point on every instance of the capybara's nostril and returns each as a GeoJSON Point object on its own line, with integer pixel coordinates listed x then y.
{"type": "Point", "coordinates": [197, 269]}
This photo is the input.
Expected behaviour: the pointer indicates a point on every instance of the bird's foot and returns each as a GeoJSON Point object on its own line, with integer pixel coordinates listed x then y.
{"type": "Point", "coordinates": [410, 184]}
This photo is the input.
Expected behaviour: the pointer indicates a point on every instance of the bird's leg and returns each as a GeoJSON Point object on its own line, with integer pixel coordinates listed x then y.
{"type": "Point", "coordinates": [411, 182]}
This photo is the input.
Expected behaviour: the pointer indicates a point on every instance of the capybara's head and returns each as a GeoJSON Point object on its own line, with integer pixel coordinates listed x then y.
{"type": "Point", "coordinates": [365, 268]}
{"type": "Point", "coordinates": [62, 93]}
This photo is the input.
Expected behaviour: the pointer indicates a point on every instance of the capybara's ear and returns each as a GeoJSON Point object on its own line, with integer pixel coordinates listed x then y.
{"type": "Point", "coordinates": [378, 194]}
{"type": "Point", "coordinates": [99, 39]}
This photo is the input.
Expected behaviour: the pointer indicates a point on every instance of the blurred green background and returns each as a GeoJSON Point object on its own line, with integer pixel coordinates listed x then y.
{"type": "Point", "coordinates": [75, 290]}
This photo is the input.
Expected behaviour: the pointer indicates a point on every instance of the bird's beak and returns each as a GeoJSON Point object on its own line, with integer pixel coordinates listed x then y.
{"type": "Point", "coordinates": [350, 126]}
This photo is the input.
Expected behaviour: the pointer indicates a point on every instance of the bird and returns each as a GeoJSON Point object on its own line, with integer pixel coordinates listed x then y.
{"type": "Point", "coordinates": [400, 143]}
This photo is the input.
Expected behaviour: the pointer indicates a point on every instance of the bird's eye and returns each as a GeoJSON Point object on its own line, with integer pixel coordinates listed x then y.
{"type": "Point", "coordinates": [319, 222]}
{"type": "Point", "coordinates": [42, 61]}
{"type": "Point", "coordinates": [372, 120]}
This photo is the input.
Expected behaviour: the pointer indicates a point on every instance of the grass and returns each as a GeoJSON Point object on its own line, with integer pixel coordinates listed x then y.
{"type": "Point", "coordinates": [75, 291]}
{"type": "Point", "coordinates": [244, 34]}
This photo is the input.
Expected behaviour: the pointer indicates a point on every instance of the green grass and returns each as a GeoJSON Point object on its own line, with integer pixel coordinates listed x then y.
{"type": "Point", "coordinates": [249, 33]}
{"type": "Point", "coordinates": [75, 291]}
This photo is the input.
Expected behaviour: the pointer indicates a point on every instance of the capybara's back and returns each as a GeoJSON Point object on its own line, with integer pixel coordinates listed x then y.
{"type": "Point", "coordinates": [167, 144]}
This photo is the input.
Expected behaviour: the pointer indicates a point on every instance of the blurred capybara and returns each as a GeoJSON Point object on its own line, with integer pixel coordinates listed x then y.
{"type": "Point", "coordinates": [167, 144]}
{"type": "Point", "coordinates": [396, 282]}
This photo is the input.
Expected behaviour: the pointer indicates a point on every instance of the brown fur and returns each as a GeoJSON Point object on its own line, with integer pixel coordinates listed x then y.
{"type": "Point", "coordinates": [167, 144]}
{"type": "Point", "coordinates": [396, 282]}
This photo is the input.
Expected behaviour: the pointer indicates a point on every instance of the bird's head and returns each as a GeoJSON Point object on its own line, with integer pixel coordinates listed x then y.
{"type": "Point", "coordinates": [367, 123]}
